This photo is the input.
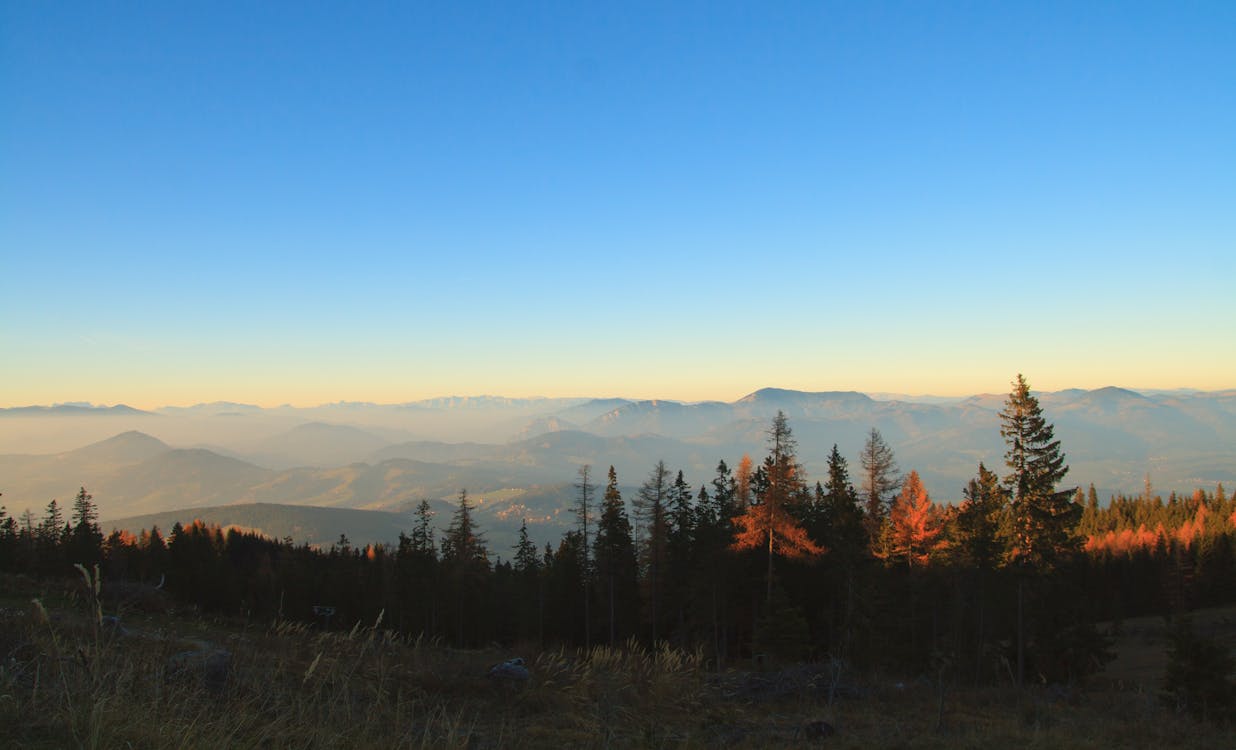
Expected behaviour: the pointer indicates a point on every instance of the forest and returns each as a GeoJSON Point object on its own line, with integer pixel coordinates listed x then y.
{"type": "Point", "coordinates": [759, 565]}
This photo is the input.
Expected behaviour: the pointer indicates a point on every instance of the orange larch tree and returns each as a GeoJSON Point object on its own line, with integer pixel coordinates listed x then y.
{"type": "Point", "coordinates": [916, 523]}
{"type": "Point", "coordinates": [766, 522]}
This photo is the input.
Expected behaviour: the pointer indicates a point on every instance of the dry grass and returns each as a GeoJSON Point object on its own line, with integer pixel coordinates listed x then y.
{"type": "Point", "coordinates": [69, 680]}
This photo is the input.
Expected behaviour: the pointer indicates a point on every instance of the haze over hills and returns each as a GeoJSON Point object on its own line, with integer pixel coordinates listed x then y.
{"type": "Point", "coordinates": [520, 456]}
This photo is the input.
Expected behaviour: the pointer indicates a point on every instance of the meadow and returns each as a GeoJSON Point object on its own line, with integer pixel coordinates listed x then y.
{"type": "Point", "coordinates": [92, 666]}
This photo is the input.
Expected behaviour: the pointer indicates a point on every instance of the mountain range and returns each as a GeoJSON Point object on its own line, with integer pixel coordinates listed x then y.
{"type": "Point", "coordinates": [519, 457]}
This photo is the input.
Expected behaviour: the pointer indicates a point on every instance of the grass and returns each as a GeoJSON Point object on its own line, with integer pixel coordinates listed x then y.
{"type": "Point", "coordinates": [69, 679]}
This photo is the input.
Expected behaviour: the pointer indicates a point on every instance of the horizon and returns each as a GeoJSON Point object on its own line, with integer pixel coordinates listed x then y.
{"type": "Point", "coordinates": [290, 204]}
{"type": "Point", "coordinates": [875, 395]}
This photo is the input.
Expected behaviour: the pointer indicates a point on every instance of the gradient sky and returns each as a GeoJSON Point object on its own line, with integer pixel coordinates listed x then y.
{"type": "Point", "coordinates": [295, 202]}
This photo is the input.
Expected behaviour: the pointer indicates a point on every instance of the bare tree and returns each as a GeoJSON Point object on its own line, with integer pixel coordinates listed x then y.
{"type": "Point", "coordinates": [881, 480]}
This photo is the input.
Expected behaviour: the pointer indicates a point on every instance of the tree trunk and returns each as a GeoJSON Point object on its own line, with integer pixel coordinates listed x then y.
{"type": "Point", "coordinates": [1021, 635]}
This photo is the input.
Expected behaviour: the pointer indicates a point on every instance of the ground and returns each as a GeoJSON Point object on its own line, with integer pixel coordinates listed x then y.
{"type": "Point", "coordinates": [162, 678]}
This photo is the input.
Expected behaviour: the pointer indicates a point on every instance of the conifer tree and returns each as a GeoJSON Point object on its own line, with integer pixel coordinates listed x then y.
{"type": "Point", "coordinates": [978, 521]}
{"type": "Point", "coordinates": [422, 540]}
{"type": "Point", "coordinates": [844, 532]}
{"type": "Point", "coordinates": [916, 524]}
{"type": "Point", "coordinates": [615, 555]}
{"type": "Point", "coordinates": [1043, 518]}
{"type": "Point", "coordinates": [880, 480]}
{"type": "Point", "coordinates": [466, 562]}
{"type": "Point", "coordinates": [767, 523]}
{"type": "Point", "coordinates": [583, 511]}
{"type": "Point", "coordinates": [526, 558]}
{"type": "Point", "coordinates": [86, 539]}
{"type": "Point", "coordinates": [680, 548]}
{"type": "Point", "coordinates": [463, 542]}
{"type": "Point", "coordinates": [651, 511]}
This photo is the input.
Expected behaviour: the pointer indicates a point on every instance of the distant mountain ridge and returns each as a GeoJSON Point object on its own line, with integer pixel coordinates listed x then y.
{"type": "Point", "coordinates": [74, 410]}
{"type": "Point", "coordinates": [388, 458]}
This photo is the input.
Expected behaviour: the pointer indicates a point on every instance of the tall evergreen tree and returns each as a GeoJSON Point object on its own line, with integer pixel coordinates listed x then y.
{"type": "Point", "coordinates": [615, 559]}
{"type": "Point", "coordinates": [466, 562]}
{"type": "Point", "coordinates": [530, 601]}
{"type": "Point", "coordinates": [583, 514]}
{"type": "Point", "coordinates": [844, 532]}
{"type": "Point", "coordinates": [527, 560]}
{"type": "Point", "coordinates": [422, 531]}
{"type": "Point", "coordinates": [680, 550]}
{"type": "Point", "coordinates": [85, 544]}
{"type": "Point", "coordinates": [1043, 518]}
{"type": "Point", "coordinates": [652, 513]}
{"type": "Point", "coordinates": [978, 521]}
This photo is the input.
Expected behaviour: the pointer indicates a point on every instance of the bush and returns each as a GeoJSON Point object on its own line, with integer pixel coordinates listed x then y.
{"type": "Point", "coordinates": [1199, 675]}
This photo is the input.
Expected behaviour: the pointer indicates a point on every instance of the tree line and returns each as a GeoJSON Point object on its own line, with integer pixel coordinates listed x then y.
{"type": "Point", "coordinates": [758, 562]}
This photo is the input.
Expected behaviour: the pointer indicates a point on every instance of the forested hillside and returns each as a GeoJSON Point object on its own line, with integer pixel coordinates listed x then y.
{"type": "Point", "coordinates": [858, 564]}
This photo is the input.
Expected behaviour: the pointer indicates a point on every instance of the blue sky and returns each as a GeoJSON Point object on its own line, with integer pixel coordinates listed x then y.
{"type": "Point", "coordinates": [295, 203]}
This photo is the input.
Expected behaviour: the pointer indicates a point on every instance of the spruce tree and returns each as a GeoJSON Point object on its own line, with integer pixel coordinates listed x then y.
{"type": "Point", "coordinates": [86, 540]}
{"type": "Point", "coordinates": [1043, 518]}
{"type": "Point", "coordinates": [583, 513]}
{"type": "Point", "coordinates": [652, 513]}
{"type": "Point", "coordinates": [977, 522]}
{"type": "Point", "coordinates": [466, 561]}
{"type": "Point", "coordinates": [614, 556]}
{"type": "Point", "coordinates": [527, 559]}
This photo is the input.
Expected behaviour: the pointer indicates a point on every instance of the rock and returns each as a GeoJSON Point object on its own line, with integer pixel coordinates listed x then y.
{"type": "Point", "coordinates": [512, 669]}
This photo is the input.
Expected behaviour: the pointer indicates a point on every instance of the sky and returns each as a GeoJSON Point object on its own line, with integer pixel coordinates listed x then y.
{"type": "Point", "coordinates": [310, 202]}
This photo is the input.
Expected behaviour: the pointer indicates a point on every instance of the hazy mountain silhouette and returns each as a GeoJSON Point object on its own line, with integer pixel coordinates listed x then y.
{"type": "Point", "coordinates": [74, 410]}
{"type": "Point", "coordinates": [1111, 437]}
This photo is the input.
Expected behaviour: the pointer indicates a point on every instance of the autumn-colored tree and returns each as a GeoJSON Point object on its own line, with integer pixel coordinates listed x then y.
{"type": "Point", "coordinates": [767, 521]}
{"type": "Point", "coordinates": [916, 523]}
{"type": "Point", "coordinates": [742, 484]}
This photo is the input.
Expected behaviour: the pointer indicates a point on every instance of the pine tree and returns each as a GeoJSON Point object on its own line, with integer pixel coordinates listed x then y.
{"type": "Point", "coordinates": [680, 549]}
{"type": "Point", "coordinates": [526, 558]}
{"type": "Point", "coordinates": [1043, 518]}
{"type": "Point", "coordinates": [978, 521]}
{"type": "Point", "coordinates": [86, 540]}
{"type": "Point", "coordinates": [463, 543]}
{"type": "Point", "coordinates": [466, 562]}
{"type": "Point", "coordinates": [583, 510]}
{"type": "Point", "coordinates": [651, 512]}
{"type": "Point", "coordinates": [615, 555]}
{"type": "Point", "coordinates": [844, 532]}
{"type": "Point", "coordinates": [422, 540]}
